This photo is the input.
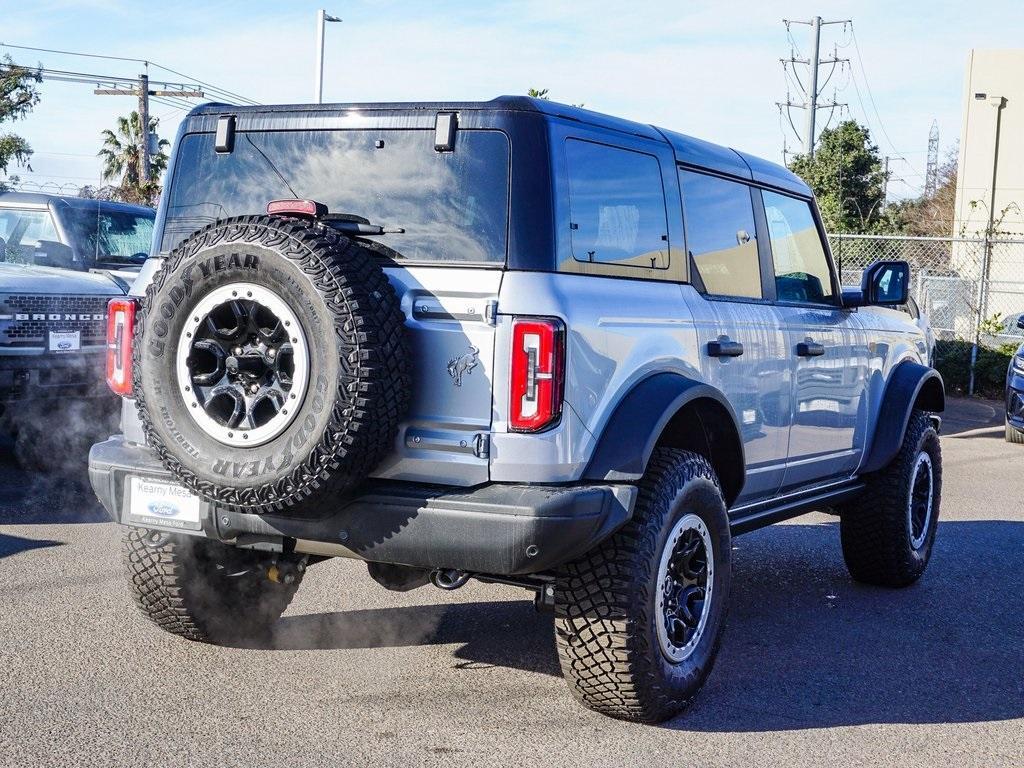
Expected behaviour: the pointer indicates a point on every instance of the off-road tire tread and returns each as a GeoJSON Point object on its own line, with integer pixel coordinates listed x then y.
{"type": "Point", "coordinates": [174, 589]}
{"type": "Point", "coordinates": [374, 380]}
{"type": "Point", "coordinates": [602, 646]}
{"type": "Point", "coordinates": [1014, 435]}
{"type": "Point", "coordinates": [873, 527]}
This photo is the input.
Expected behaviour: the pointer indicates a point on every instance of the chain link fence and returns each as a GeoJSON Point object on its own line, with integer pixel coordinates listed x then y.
{"type": "Point", "coordinates": [970, 289]}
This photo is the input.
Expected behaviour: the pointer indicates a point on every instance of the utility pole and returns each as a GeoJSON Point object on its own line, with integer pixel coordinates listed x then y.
{"type": "Point", "coordinates": [813, 90]}
{"type": "Point", "coordinates": [322, 17]}
{"type": "Point", "coordinates": [144, 122]}
{"type": "Point", "coordinates": [143, 92]}
{"type": "Point", "coordinates": [812, 109]}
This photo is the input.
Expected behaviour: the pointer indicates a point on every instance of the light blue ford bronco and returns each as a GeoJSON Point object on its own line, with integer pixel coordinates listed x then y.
{"type": "Point", "coordinates": [511, 341]}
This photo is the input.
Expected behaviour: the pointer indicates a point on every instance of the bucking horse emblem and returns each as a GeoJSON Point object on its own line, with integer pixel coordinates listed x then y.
{"type": "Point", "coordinates": [463, 365]}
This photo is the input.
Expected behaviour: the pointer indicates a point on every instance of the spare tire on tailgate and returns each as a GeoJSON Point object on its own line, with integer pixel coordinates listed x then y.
{"type": "Point", "coordinates": [270, 364]}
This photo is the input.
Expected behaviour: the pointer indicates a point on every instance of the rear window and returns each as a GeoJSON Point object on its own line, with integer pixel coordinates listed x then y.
{"type": "Point", "coordinates": [453, 206]}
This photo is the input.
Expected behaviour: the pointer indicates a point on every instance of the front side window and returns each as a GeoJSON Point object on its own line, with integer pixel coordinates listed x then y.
{"type": "Point", "coordinates": [616, 206]}
{"type": "Point", "coordinates": [22, 230]}
{"type": "Point", "coordinates": [802, 273]}
{"type": "Point", "coordinates": [721, 236]}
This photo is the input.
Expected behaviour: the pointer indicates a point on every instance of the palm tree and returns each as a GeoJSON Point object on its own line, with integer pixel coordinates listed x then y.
{"type": "Point", "coordinates": [122, 158]}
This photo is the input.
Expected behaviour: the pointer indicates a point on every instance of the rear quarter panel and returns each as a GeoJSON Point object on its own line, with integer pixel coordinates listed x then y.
{"type": "Point", "coordinates": [619, 332]}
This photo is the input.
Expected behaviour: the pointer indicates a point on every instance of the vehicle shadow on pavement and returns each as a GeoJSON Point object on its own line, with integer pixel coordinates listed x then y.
{"type": "Point", "coordinates": [12, 545]}
{"type": "Point", "coordinates": [806, 647]}
{"type": "Point", "coordinates": [499, 633]}
{"type": "Point", "coordinates": [45, 497]}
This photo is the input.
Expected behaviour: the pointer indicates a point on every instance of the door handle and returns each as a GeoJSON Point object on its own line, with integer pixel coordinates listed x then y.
{"type": "Point", "coordinates": [810, 349]}
{"type": "Point", "coordinates": [725, 348]}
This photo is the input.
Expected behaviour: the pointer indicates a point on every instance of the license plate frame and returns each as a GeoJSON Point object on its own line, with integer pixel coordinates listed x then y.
{"type": "Point", "coordinates": [64, 342]}
{"type": "Point", "coordinates": [162, 504]}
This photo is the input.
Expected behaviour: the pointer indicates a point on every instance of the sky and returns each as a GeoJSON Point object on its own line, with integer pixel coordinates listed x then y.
{"type": "Point", "coordinates": [708, 69]}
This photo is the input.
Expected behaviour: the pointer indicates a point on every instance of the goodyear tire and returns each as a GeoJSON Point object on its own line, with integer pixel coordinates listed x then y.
{"type": "Point", "coordinates": [638, 621]}
{"type": "Point", "coordinates": [888, 532]}
{"type": "Point", "coordinates": [203, 590]}
{"type": "Point", "coordinates": [270, 364]}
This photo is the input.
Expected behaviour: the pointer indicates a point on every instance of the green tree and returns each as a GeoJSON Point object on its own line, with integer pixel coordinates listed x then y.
{"type": "Point", "coordinates": [847, 177]}
{"type": "Point", "coordinates": [930, 215]}
{"type": "Point", "coordinates": [122, 159]}
{"type": "Point", "coordinates": [542, 93]}
{"type": "Point", "coordinates": [18, 95]}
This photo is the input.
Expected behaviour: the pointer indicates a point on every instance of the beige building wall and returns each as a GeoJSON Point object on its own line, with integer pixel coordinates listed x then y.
{"type": "Point", "coordinates": [999, 75]}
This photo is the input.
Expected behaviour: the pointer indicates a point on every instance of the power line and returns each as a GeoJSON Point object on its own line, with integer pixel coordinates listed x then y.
{"type": "Point", "coordinates": [214, 88]}
{"type": "Point", "coordinates": [141, 89]}
{"type": "Point", "coordinates": [871, 98]}
{"type": "Point", "coordinates": [71, 53]}
{"type": "Point", "coordinates": [220, 92]}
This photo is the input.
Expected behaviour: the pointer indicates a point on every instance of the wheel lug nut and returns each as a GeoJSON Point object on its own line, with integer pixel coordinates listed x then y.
{"type": "Point", "coordinates": [271, 353]}
{"type": "Point", "coordinates": [254, 388]}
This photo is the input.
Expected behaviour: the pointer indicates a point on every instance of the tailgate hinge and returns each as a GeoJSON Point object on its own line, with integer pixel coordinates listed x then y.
{"type": "Point", "coordinates": [491, 312]}
{"type": "Point", "coordinates": [482, 445]}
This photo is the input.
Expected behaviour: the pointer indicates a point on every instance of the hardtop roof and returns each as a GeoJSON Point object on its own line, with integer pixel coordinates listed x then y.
{"type": "Point", "coordinates": [689, 150]}
{"type": "Point", "coordinates": [43, 198]}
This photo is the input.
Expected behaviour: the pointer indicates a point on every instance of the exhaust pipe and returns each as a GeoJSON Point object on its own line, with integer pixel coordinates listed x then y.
{"type": "Point", "coordinates": [449, 578]}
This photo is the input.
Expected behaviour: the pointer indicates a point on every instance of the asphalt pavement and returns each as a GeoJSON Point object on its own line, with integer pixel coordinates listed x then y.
{"type": "Point", "coordinates": [814, 669]}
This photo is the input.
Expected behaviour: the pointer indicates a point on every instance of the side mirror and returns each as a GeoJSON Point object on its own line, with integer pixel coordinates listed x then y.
{"type": "Point", "coordinates": [1020, 322]}
{"type": "Point", "coordinates": [885, 283]}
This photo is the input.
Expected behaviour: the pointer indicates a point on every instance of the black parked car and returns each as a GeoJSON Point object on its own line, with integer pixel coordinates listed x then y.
{"type": "Point", "coordinates": [74, 233]}
{"type": "Point", "coordinates": [61, 260]}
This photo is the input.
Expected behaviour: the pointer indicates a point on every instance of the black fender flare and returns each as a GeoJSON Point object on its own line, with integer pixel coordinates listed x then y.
{"type": "Point", "coordinates": [909, 385]}
{"type": "Point", "coordinates": [625, 445]}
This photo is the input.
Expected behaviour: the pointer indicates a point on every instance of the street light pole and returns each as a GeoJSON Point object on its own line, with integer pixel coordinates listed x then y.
{"type": "Point", "coordinates": [322, 17]}
{"type": "Point", "coordinates": [999, 102]}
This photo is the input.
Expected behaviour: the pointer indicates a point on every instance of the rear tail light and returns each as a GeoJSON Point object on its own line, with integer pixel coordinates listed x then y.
{"type": "Point", "coordinates": [120, 327]}
{"type": "Point", "coordinates": [538, 365]}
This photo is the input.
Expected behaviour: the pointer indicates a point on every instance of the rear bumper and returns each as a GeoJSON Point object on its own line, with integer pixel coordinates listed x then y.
{"type": "Point", "coordinates": [498, 528]}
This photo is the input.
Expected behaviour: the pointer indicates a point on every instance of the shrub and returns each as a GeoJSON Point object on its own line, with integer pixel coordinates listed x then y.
{"type": "Point", "coordinates": [953, 361]}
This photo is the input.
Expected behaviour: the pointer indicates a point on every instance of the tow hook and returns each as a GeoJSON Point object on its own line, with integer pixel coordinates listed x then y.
{"type": "Point", "coordinates": [286, 571]}
{"type": "Point", "coordinates": [544, 601]}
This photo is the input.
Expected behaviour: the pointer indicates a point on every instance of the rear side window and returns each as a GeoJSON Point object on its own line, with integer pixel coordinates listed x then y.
{"type": "Point", "coordinates": [801, 268]}
{"type": "Point", "coordinates": [616, 206]}
{"type": "Point", "coordinates": [721, 237]}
